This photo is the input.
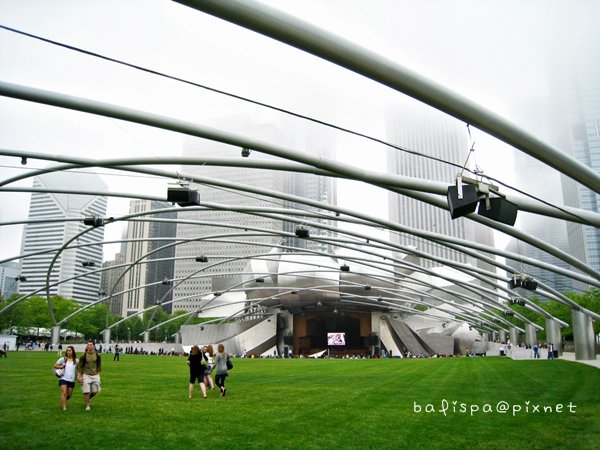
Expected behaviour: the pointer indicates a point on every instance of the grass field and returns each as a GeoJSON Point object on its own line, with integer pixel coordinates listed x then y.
{"type": "Point", "coordinates": [307, 404]}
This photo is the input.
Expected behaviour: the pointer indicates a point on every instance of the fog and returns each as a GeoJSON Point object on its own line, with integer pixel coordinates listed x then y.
{"type": "Point", "coordinates": [493, 52]}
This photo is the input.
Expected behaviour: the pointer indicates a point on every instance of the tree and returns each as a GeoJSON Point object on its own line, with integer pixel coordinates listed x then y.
{"type": "Point", "coordinates": [589, 300]}
{"type": "Point", "coordinates": [9, 317]}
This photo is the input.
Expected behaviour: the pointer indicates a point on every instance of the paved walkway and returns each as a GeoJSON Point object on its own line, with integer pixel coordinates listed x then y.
{"type": "Point", "coordinates": [523, 353]}
{"type": "Point", "coordinates": [571, 357]}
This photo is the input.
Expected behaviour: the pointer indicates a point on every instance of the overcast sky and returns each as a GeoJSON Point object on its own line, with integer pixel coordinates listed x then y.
{"type": "Point", "coordinates": [491, 51]}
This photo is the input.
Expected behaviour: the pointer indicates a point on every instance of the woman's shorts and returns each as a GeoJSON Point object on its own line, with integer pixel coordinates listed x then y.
{"type": "Point", "coordinates": [197, 376]}
{"type": "Point", "coordinates": [69, 384]}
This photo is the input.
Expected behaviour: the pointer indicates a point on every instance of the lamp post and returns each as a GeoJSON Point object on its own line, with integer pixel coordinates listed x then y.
{"type": "Point", "coordinates": [128, 334]}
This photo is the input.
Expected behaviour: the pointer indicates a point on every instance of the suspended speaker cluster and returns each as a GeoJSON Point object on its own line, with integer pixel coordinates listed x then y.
{"type": "Point", "coordinates": [520, 280]}
{"type": "Point", "coordinates": [474, 195]}
{"type": "Point", "coordinates": [93, 221]}
{"type": "Point", "coordinates": [183, 196]}
{"type": "Point", "coordinates": [302, 232]}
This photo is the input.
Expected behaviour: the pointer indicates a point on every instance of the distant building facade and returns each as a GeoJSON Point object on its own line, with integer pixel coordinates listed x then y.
{"type": "Point", "coordinates": [571, 122]}
{"type": "Point", "coordinates": [227, 256]}
{"type": "Point", "coordinates": [9, 274]}
{"type": "Point", "coordinates": [54, 220]}
{"type": "Point", "coordinates": [150, 251]}
{"type": "Point", "coordinates": [420, 128]}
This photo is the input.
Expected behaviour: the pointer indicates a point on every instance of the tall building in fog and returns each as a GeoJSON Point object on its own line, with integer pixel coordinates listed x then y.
{"type": "Point", "coordinates": [543, 182]}
{"type": "Point", "coordinates": [55, 219]}
{"type": "Point", "coordinates": [569, 118]}
{"type": "Point", "coordinates": [575, 88]}
{"type": "Point", "coordinates": [309, 186]}
{"type": "Point", "coordinates": [422, 129]}
{"type": "Point", "coordinates": [217, 275]}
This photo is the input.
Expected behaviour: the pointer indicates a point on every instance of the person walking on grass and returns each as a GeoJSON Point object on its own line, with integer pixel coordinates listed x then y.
{"type": "Point", "coordinates": [221, 362]}
{"type": "Point", "coordinates": [66, 382]}
{"type": "Point", "coordinates": [210, 365]}
{"type": "Point", "coordinates": [88, 373]}
{"type": "Point", "coordinates": [197, 363]}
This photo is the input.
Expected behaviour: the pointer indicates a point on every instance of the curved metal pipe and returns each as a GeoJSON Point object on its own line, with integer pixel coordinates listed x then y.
{"type": "Point", "coordinates": [307, 37]}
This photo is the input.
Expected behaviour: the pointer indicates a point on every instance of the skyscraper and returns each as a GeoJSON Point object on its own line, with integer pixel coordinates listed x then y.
{"type": "Point", "coordinates": [226, 259]}
{"type": "Point", "coordinates": [310, 186]}
{"type": "Point", "coordinates": [143, 282]}
{"type": "Point", "coordinates": [543, 182]}
{"type": "Point", "coordinates": [575, 89]}
{"type": "Point", "coordinates": [418, 127]}
{"type": "Point", "coordinates": [569, 118]}
{"type": "Point", "coordinates": [111, 281]}
{"type": "Point", "coordinates": [9, 274]}
{"type": "Point", "coordinates": [55, 219]}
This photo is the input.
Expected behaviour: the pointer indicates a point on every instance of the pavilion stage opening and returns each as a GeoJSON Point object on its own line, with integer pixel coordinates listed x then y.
{"type": "Point", "coordinates": [311, 330]}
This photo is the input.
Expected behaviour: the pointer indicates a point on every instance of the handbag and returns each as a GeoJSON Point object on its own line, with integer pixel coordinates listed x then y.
{"type": "Point", "coordinates": [58, 373]}
{"type": "Point", "coordinates": [228, 363]}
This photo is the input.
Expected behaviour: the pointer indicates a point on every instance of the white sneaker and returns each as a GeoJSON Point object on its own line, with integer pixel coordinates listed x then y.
{"type": "Point", "coordinates": [87, 408]}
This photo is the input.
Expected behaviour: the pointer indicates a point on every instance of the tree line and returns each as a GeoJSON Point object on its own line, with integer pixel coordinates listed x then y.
{"type": "Point", "coordinates": [33, 313]}
{"type": "Point", "coordinates": [28, 317]}
{"type": "Point", "coordinates": [589, 300]}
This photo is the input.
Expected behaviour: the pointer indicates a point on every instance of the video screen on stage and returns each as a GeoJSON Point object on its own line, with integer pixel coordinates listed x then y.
{"type": "Point", "coordinates": [336, 339]}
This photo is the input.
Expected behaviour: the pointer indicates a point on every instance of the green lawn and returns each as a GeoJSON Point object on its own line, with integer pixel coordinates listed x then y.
{"type": "Point", "coordinates": [306, 404]}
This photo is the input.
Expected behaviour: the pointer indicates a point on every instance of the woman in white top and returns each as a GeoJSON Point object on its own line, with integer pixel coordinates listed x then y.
{"type": "Point", "coordinates": [66, 383]}
{"type": "Point", "coordinates": [210, 365]}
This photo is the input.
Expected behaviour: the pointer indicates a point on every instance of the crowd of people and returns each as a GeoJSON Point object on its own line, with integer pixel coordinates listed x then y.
{"type": "Point", "coordinates": [202, 362]}
{"type": "Point", "coordinates": [86, 371]}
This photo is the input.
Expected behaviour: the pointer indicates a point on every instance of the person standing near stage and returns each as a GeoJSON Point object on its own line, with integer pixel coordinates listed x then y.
{"type": "Point", "coordinates": [88, 373]}
{"type": "Point", "coordinates": [66, 383]}
{"type": "Point", "coordinates": [221, 362]}
{"type": "Point", "coordinates": [550, 350]}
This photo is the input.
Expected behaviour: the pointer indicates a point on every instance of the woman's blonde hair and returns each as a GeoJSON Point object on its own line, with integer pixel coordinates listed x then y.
{"type": "Point", "coordinates": [209, 349]}
{"type": "Point", "coordinates": [220, 348]}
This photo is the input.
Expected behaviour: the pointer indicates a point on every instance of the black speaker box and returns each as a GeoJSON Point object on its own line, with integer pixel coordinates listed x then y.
{"type": "Point", "coordinates": [462, 206]}
{"type": "Point", "coordinates": [373, 339]}
{"type": "Point", "coordinates": [530, 285]}
{"type": "Point", "coordinates": [514, 283]}
{"type": "Point", "coordinates": [302, 233]}
{"type": "Point", "coordinates": [501, 210]}
{"type": "Point", "coordinates": [183, 196]}
{"type": "Point", "coordinates": [178, 194]}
